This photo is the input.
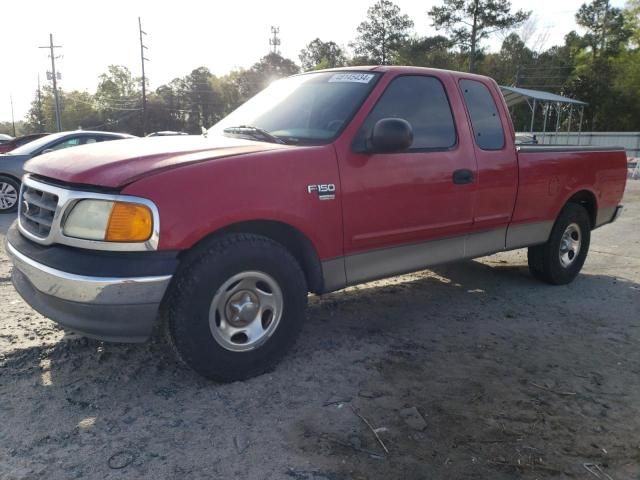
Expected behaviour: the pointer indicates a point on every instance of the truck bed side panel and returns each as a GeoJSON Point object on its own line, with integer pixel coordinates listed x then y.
{"type": "Point", "coordinates": [549, 177]}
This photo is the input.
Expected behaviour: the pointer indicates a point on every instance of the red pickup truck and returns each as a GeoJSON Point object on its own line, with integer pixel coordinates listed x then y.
{"type": "Point", "coordinates": [323, 180]}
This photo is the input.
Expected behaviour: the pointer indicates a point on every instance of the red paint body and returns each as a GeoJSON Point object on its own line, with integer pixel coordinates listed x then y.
{"type": "Point", "coordinates": [202, 185]}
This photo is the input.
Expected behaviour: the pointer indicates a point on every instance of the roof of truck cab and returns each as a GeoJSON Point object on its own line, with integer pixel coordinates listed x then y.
{"type": "Point", "coordinates": [400, 69]}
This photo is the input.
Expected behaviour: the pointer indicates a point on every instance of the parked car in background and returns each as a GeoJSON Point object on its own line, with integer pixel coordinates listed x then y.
{"type": "Point", "coordinates": [19, 141]}
{"type": "Point", "coordinates": [12, 163]}
{"type": "Point", "coordinates": [166, 133]}
{"type": "Point", "coordinates": [5, 138]}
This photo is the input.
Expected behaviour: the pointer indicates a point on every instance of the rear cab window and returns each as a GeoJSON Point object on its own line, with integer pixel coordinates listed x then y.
{"type": "Point", "coordinates": [421, 101]}
{"type": "Point", "coordinates": [485, 120]}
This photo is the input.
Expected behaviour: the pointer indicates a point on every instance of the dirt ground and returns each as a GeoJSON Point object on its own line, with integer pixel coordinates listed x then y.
{"type": "Point", "coordinates": [468, 371]}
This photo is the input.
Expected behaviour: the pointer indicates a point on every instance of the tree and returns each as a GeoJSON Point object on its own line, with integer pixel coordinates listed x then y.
{"type": "Point", "coordinates": [382, 34]}
{"type": "Point", "coordinates": [247, 83]}
{"type": "Point", "coordinates": [318, 54]}
{"type": "Point", "coordinates": [118, 99]}
{"type": "Point", "coordinates": [165, 110]}
{"type": "Point", "coordinates": [434, 52]}
{"type": "Point", "coordinates": [7, 128]}
{"type": "Point", "coordinates": [471, 21]}
{"type": "Point", "coordinates": [78, 110]}
{"type": "Point", "coordinates": [202, 98]}
{"type": "Point", "coordinates": [632, 16]}
{"type": "Point", "coordinates": [604, 72]}
{"type": "Point", "coordinates": [607, 30]}
{"type": "Point", "coordinates": [35, 120]}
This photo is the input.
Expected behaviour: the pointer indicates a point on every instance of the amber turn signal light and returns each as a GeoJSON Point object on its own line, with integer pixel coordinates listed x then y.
{"type": "Point", "coordinates": [129, 222]}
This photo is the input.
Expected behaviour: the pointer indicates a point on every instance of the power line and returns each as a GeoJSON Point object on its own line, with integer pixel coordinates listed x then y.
{"type": "Point", "coordinates": [51, 47]}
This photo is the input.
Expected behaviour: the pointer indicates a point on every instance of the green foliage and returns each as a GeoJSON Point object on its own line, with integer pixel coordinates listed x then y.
{"type": "Point", "coordinates": [632, 17]}
{"type": "Point", "coordinates": [318, 55]}
{"type": "Point", "coordinates": [434, 52]}
{"type": "Point", "coordinates": [382, 34]}
{"type": "Point", "coordinates": [7, 128]}
{"type": "Point", "coordinates": [607, 30]}
{"type": "Point", "coordinates": [471, 21]}
{"type": "Point", "coordinates": [118, 100]}
{"type": "Point", "coordinates": [35, 120]}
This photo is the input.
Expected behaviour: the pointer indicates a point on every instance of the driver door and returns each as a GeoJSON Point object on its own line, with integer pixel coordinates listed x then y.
{"type": "Point", "coordinates": [397, 206]}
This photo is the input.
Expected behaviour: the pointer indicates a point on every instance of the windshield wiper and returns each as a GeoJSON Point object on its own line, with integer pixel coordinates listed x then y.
{"type": "Point", "coordinates": [253, 132]}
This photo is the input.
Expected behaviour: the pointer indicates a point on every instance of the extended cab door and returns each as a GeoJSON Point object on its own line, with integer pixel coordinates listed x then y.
{"type": "Point", "coordinates": [497, 179]}
{"type": "Point", "coordinates": [396, 205]}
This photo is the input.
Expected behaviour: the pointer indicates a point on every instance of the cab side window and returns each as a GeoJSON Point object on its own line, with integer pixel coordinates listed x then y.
{"type": "Point", "coordinates": [69, 142]}
{"type": "Point", "coordinates": [422, 101]}
{"type": "Point", "coordinates": [485, 121]}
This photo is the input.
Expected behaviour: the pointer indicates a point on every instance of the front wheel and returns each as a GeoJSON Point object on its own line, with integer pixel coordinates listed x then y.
{"type": "Point", "coordinates": [560, 259]}
{"type": "Point", "coordinates": [9, 191]}
{"type": "Point", "coordinates": [235, 307]}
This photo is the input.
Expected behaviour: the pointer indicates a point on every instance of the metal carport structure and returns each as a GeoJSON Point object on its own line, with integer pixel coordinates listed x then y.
{"type": "Point", "coordinates": [516, 95]}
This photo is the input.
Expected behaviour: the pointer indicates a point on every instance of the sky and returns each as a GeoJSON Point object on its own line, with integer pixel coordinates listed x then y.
{"type": "Point", "coordinates": [187, 34]}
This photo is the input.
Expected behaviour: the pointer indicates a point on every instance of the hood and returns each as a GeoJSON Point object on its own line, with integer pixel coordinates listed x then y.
{"type": "Point", "coordinates": [119, 162]}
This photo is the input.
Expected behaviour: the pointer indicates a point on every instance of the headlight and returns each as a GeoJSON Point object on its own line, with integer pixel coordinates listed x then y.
{"type": "Point", "coordinates": [109, 221]}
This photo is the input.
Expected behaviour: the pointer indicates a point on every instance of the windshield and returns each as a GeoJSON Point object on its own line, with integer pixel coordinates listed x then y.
{"type": "Point", "coordinates": [31, 147]}
{"type": "Point", "coordinates": [306, 109]}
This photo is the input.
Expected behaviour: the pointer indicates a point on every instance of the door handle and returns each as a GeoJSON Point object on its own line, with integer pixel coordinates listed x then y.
{"type": "Point", "coordinates": [462, 176]}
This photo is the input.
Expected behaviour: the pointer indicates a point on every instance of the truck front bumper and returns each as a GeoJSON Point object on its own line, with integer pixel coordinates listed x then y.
{"type": "Point", "coordinates": [113, 307]}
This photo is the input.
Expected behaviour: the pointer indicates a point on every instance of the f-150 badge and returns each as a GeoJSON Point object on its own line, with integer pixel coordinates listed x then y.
{"type": "Point", "coordinates": [326, 191]}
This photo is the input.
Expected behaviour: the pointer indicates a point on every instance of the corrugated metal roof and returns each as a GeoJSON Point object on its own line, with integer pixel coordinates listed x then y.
{"type": "Point", "coordinates": [514, 95]}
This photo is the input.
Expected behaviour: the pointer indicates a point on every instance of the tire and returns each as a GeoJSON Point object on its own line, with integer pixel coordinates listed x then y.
{"type": "Point", "coordinates": [560, 259]}
{"type": "Point", "coordinates": [242, 283]}
{"type": "Point", "coordinates": [9, 194]}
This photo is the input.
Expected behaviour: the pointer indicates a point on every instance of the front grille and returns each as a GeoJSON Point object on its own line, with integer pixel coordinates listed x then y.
{"type": "Point", "coordinates": [37, 209]}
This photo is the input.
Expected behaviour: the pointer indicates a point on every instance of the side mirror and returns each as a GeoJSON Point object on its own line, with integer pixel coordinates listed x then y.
{"type": "Point", "coordinates": [46, 150]}
{"type": "Point", "coordinates": [390, 135]}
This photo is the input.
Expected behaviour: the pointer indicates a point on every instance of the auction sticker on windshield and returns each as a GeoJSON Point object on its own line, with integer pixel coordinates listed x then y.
{"type": "Point", "coordinates": [352, 77]}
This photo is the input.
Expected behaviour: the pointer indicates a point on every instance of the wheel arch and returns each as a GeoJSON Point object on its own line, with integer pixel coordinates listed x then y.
{"type": "Point", "coordinates": [11, 176]}
{"type": "Point", "coordinates": [291, 238]}
{"type": "Point", "coordinates": [586, 199]}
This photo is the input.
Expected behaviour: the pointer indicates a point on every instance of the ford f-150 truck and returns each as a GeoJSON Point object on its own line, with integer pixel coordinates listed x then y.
{"type": "Point", "coordinates": [322, 181]}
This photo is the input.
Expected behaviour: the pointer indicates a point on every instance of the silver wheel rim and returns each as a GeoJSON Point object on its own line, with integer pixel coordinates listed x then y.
{"type": "Point", "coordinates": [8, 196]}
{"type": "Point", "coordinates": [245, 311]}
{"type": "Point", "coordinates": [570, 244]}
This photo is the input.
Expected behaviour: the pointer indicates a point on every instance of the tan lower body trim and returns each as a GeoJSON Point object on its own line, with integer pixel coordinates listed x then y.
{"type": "Point", "coordinates": [387, 262]}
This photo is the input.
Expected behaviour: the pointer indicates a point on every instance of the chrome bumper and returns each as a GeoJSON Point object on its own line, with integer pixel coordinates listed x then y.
{"type": "Point", "coordinates": [83, 289]}
{"type": "Point", "coordinates": [107, 308]}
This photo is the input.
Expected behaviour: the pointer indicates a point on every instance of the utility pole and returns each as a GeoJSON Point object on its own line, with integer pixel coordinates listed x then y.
{"type": "Point", "coordinates": [51, 47]}
{"type": "Point", "coordinates": [13, 122]}
{"type": "Point", "coordinates": [144, 79]}
{"type": "Point", "coordinates": [274, 41]}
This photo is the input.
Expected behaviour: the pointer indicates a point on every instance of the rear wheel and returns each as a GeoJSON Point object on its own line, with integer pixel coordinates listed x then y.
{"type": "Point", "coordinates": [9, 192]}
{"type": "Point", "coordinates": [560, 259]}
{"type": "Point", "coordinates": [235, 307]}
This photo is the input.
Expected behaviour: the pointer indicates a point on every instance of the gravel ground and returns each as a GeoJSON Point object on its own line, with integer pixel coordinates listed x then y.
{"type": "Point", "coordinates": [467, 371]}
